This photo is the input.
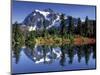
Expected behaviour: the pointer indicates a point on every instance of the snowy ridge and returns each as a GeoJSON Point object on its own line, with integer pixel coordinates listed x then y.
{"type": "Point", "coordinates": [43, 13]}
{"type": "Point", "coordinates": [57, 19]}
{"type": "Point", "coordinates": [34, 21]}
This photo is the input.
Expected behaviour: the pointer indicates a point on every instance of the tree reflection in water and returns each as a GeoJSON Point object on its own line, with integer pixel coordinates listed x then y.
{"type": "Point", "coordinates": [94, 51]}
{"type": "Point", "coordinates": [63, 59]}
{"type": "Point", "coordinates": [16, 52]}
{"type": "Point", "coordinates": [79, 53]}
{"type": "Point", "coordinates": [48, 54]}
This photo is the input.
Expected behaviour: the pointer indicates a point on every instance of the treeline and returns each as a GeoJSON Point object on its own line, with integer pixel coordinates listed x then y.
{"type": "Point", "coordinates": [20, 37]}
{"type": "Point", "coordinates": [86, 29]}
{"type": "Point", "coordinates": [66, 30]}
{"type": "Point", "coordinates": [17, 35]}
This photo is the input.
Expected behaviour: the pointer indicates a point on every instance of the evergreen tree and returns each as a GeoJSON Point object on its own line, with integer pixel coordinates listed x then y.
{"type": "Point", "coordinates": [45, 31]}
{"type": "Point", "coordinates": [17, 34]}
{"type": "Point", "coordinates": [86, 29]}
{"type": "Point", "coordinates": [63, 25]}
{"type": "Point", "coordinates": [30, 39]}
{"type": "Point", "coordinates": [79, 27]}
{"type": "Point", "coordinates": [94, 28]}
{"type": "Point", "coordinates": [71, 25]}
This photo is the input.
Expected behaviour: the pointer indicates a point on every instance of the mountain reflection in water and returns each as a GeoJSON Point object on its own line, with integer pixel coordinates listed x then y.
{"type": "Point", "coordinates": [61, 55]}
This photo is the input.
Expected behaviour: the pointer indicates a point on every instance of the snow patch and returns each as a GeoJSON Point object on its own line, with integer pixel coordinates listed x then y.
{"type": "Point", "coordinates": [57, 19]}
{"type": "Point", "coordinates": [43, 13]}
{"type": "Point", "coordinates": [47, 59]}
{"type": "Point", "coordinates": [42, 60]}
{"type": "Point", "coordinates": [32, 28]}
{"type": "Point", "coordinates": [38, 19]}
{"type": "Point", "coordinates": [83, 20]}
{"type": "Point", "coordinates": [48, 53]}
{"type": "Point", "coordinates": [34, 58]}
{"type": "Point", "coordinates": [34, 14]}
{"type": "Point", "coordinates": [65, 17]}
{"type": "Point", "coordinates": [57, 52]}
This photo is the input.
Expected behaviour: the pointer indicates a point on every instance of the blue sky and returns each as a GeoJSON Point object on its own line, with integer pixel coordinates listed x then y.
{"type": "Point", "coordinates": [20, 9]}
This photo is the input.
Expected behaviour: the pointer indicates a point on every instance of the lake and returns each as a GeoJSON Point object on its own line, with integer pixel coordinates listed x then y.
{"type": "Point", "coordinates": [49, 58]}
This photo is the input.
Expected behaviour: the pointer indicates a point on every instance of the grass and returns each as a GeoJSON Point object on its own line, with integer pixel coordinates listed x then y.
{"type": "Point", "coordinates": [77, 40]}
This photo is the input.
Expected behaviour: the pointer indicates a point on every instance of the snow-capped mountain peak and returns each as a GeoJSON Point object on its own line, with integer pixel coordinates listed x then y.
{"type": "Point", "coordinates": [43, 13]}
{"type": "Point", "coordinates": [36, 18]}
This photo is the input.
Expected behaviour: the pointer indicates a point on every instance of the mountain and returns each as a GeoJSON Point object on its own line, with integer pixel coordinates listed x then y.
{"type": "Point", "coordinates": [35, 19]}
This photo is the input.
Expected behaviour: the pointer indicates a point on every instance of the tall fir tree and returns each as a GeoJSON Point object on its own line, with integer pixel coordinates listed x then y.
{"type": "Point", "coordinates": [86, 29]}
{"type": "Point", "coordinates": [63, 25]}
{"type": "Point", "coordinates": [44, 28]}
{"type": "Point", "coordinates": [71, 25]}
{"type": "Point", "coordinates": [79, 27]}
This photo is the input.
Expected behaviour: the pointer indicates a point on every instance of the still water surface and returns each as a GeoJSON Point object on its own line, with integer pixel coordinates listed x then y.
{"type": "Point", "coordinates": [43, 58]}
